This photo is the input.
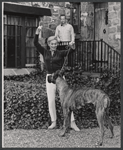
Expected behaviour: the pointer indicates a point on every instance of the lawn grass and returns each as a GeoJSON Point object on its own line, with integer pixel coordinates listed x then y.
{"type": "Point", "coordinates": [43, 138]}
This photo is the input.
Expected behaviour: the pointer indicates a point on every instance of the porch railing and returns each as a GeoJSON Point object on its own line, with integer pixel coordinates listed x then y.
{"type": "Point", "coordinates": [94, 56]}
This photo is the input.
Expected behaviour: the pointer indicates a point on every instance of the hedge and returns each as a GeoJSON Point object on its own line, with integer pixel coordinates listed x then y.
{"type": "Point", "coordinates": [26, 106]}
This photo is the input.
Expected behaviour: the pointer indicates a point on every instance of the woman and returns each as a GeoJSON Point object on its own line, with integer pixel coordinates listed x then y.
{"type": "Point", "coordinates": [52, 59]}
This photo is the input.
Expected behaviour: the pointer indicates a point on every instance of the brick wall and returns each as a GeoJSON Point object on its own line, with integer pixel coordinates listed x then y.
{"type": "Point", "coordinates": [57, 8]}
{"type": "Point", "coordinates": [114, 37]}
{"type": "Point", "coordinates": [87, 20]}
{"type": "Point", "coordinates": [49, 22]}
{"type": "Point", "coordinates": [54, 20]}
{"type": "Point", "coordinates": [114, 23]}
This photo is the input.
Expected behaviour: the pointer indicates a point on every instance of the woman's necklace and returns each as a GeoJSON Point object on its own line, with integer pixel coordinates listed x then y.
{"type": "Point", "coordinates": [52, 52]}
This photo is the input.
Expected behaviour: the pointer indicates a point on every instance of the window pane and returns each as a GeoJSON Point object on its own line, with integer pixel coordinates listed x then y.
{"type": "Point", "coordinates": [30, 33]}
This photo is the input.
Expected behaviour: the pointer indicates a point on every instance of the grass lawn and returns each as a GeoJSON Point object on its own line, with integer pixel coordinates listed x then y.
{"type": "Point", "coordinates": [43, 138]}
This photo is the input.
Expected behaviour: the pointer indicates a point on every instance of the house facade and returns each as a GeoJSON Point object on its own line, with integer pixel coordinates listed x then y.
{"type": "Point", "coordinates": [91, 21]}
{"type": "Point", "coordinates": [103, 21]}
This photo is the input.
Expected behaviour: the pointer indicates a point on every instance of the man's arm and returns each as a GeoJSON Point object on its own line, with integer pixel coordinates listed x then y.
{"type": "Point", "coordinates": [72, 35]}
{"type": "Point", "coordinates": [56, 34]}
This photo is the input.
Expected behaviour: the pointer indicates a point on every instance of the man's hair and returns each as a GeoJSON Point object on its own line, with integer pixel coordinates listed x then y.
{"type": "Point", "coordinates": [62, 15]}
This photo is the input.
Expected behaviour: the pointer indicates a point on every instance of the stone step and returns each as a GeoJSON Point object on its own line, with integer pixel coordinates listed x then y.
{"type": "Point", "coordinates": [14, 71]}
{"type": "Point", "coordinates": [23, 71]}
{"type": "Point", "coordinates": [94, 75]}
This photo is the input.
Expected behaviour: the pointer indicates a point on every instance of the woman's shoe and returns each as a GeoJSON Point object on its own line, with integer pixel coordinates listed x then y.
{"type": "Point", "coordinates": [53, 125]}
{"type": "Point", "coordinates": [74, 126]}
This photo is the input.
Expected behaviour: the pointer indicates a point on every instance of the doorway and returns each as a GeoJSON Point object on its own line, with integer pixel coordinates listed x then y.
{"type": "Point", "coordinates": [100, 57]}
{"type": "Point", "coordinates": [101, 21]}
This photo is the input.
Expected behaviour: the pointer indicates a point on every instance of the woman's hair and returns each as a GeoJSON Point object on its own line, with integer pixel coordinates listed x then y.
{"type": "Point", "coordinates": [51, 38]}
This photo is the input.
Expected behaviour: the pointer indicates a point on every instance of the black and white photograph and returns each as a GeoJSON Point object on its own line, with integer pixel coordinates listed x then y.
{"type": "Point", "coordinates": [61, 74]}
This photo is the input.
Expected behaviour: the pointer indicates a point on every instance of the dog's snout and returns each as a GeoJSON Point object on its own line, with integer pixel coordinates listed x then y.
{"type": "Point", "coordinates": [49, 78]}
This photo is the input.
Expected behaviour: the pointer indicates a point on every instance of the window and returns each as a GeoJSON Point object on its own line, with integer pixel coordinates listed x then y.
{"type": "Point", "coordinates": [12, 41]}
{"type": "Point", "coordinates": [31, 57]}
{"type": "Point", "coordinates": [19, 49]}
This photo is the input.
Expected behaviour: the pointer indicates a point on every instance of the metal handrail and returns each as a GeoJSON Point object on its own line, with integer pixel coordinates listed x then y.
{"type": "Point", "coordinates": [94, 56]}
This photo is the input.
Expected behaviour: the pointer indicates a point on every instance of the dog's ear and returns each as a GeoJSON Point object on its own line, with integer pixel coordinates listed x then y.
{"type": "Point", "coordinates": [52, 74]}
{"type": "Point", "coordinates": [62, 72]}
{"type": "Point", "coordinates": [60, 75]}
{"type": "Point", "coordinates": [58, 72]}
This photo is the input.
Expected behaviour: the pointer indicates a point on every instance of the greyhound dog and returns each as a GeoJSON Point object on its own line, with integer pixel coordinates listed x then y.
{"type": "Point", "coordinates": [72, 99]}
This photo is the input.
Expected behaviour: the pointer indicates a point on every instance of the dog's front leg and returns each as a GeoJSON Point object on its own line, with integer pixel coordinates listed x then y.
{"type": "Point", "coordinates": [67, 118]}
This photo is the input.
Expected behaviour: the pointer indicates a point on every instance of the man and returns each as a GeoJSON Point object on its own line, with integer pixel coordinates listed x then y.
{"type": "Point", "coordinates": [65, 35]}
{"type": "Point", "coordinates": [64, 31]}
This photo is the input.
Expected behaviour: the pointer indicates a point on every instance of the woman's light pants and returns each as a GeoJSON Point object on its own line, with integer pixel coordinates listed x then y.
{"type": "Point", "coordinates": [51, 93]}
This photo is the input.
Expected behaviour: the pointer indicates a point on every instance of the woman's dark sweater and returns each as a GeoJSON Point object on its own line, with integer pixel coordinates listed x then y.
{"type": "Point", "coordinates": [53, 63]}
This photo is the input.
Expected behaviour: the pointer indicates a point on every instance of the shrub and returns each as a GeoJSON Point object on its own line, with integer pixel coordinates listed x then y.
{"type": "Point", "coordinates": [26, 106]}
{"type": "Point", "coordinates": [34, 76]}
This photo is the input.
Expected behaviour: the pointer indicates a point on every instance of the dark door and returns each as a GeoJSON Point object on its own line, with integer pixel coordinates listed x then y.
{"type": "Point", "coordinates": [101, 32]}
{"type": "Point", "coordinates": [75, 17]}
{"type": "Point", "coordinates": [101, 24]}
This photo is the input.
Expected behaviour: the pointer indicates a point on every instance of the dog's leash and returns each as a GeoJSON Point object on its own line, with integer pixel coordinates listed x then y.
{"type": "Point", "coordinates": [65, 59]}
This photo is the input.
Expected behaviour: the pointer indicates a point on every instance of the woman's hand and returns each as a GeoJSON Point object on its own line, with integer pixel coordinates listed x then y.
{"type": "Point", "coordinates": [72, 45]}
{"type": "Point", "coordinates": [39, 29]}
